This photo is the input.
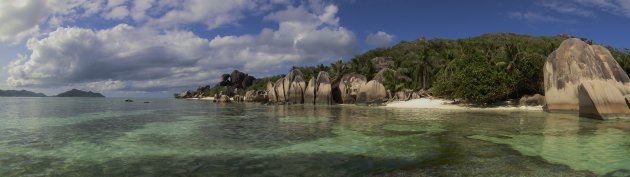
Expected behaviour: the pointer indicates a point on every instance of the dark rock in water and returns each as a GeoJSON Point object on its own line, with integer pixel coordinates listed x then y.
{"type": "Point", "coordinates": [577, 72]}
{"type": "Point", "coordinates": [79, 93]}
{"type": "Point", "coordinates": [323, 91]}
{"type": "Point", "coordinates": [20, 93]}
{"type": "Point", "coordinates": [128, 100]}
{"type": "Point", "coordinates": [348, 88]}
{"type": "Point", "coordinates": [372, 92]}
{"type": "Point", "coordinates": [147, 102]}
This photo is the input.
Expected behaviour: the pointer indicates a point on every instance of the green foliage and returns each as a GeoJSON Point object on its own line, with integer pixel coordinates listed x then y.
{"type": "Point", "coordinates": [474, 80]}
{"type": "Point", "coordinates": [483, 69]}
{"type": "Point", "coordinates": [261, 84]}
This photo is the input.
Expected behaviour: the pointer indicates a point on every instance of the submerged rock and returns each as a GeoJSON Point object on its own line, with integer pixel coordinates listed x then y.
{"type": "Point", "coordinates": [575, 66]}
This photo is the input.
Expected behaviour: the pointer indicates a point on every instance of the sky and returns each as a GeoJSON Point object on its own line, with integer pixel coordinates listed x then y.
{"type": "Point", "coordinates": [154, 48]}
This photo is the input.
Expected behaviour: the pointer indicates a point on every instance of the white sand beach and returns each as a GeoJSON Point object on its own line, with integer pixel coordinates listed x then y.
{"type": "Point", "coordinates": [434, 103]}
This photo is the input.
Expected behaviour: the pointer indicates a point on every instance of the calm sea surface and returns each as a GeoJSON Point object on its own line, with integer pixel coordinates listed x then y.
{"type": "Point", "coordinates": [167, 137]}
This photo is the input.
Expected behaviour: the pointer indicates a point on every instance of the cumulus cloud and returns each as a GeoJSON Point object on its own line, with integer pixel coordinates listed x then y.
{"type": "Point", "coordinates": [379, 39]}
{"type": "Point", "coordinates": [132, 58]}
{"type": "Point", "coordinates": [21, 19]}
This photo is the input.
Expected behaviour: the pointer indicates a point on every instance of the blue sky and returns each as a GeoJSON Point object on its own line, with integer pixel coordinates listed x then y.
{"type": "Point", "coordinates": [157, 47]}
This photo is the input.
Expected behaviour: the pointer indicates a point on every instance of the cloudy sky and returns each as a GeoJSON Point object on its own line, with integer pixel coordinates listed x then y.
{"type": "Point", "coordinates": [158, 47]}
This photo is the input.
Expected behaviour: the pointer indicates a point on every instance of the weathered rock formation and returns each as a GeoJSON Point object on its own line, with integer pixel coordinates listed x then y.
{"type": "Point", "coordinates": [586, 79]}
{"type": "Point", "coordinates": [271, 93]}
{"type": "Point", "coordinates": [255, 96]}
{"type": "Point", "coordinates": [348, 88]}
{"type": "Point", "coordinates": [372, 92]}
{"type": "Point", "coordinates": [323, 89]}
{"type": "Point", "coordinates": [295, 87]}
{"type": "Point", "coordinates": [309, 93]}
{"type": "Point", "coordinates": [278, 87]}
{"type": "Point", "coordinates": [382, 62]}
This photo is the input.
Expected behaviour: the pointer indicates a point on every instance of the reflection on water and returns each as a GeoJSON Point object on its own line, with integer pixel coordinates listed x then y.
{"type": "Point", "coordinates": [107, 137]}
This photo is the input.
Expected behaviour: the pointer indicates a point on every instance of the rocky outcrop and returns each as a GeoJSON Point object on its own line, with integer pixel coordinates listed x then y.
{"type": "Point", "coordinates": [279, 88]}
{"type": "Point", "coordinates": [223, 99]}
{"type": "Point", "coordinates": [382, 62]}
{"type": "Point", "coordinates": [271, 93]}
{"type": "Point", "coordinates": [323, 91]}
{"type": "Point", "coordinates": [372, 92]}
{"type": "Point", "coordinates": [295, 87]}
{"type": "Point", "coordinates": [348, 88]}
{"type": "Point", "coordinates": [534, 100]}
{"type": "Point", "coordinates": [577, 72]}
{"type": "Point", "coordinates": [403, 95]}
{"type": "Point", "coordinates": [309, 93]}
{"type": "Point", "coordinates": [601, 100]}
{"type": "Point", "coordinates": [255, 96]}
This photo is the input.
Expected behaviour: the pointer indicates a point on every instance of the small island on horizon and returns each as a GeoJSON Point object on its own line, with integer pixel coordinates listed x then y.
{"type": "Point", "coordinates": [69, 93]}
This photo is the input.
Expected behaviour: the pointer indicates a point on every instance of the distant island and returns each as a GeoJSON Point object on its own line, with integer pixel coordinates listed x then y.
{"type": "Point", "coordinates": [79, 93]}
{"type": "Point", "coordinates": [20, 93]}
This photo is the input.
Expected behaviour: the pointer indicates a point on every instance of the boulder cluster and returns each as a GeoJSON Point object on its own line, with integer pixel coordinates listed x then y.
{"type": "Point", "coordinates": [586, 79]}
{"type": "Point", "coordinates": [231, 85]}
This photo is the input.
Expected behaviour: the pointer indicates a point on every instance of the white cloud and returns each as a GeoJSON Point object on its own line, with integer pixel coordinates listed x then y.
{"type": "Point", "coordinates": [379, 39]}
{"type": "Point", "coordinates": [535, 17]}
{"type": "Point", "coordinates": [117, 13]}
{"type": "Point", "coordinates": [21, 19]}
{"type": "Point", "coordinates": [618, 7]}
{"type": "Point", "coordinates": [568, 8]}
{"type": "Point", "coordinates": [132, 58]}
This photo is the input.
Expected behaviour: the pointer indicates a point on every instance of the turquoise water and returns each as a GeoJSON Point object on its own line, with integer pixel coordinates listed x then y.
{"type": "Point", "coordinates": [167, 137]}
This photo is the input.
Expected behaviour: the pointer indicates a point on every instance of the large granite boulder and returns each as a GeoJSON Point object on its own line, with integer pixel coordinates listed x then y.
{"type": "Point", "coordinates": [294, 87]}
{"type": "Point", "coordinates": [600, 99]}
{"type": "Point", "coordinates": [323, 91]}
{"type": "Point", "coordinates": [271, 93]}
{"type": "Point", "coordinates": [309, 92]}
{"type": "Point", "coordinates": [224, 99]}
{"type": "Point", "coordinates": [280, 90]}
{"type": "Point", "coordinates": [237, 78]}
{"type": "Point", "coordinates": [296, 91]}
{"type": "Point", "coordinates": [349, 86]}
{"type": "Point", "coordinates": [372, 92]}
{"type": "Point", "coordinates": [576, 66]}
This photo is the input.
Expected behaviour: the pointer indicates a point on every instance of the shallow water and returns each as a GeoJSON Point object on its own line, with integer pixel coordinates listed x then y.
{"type": "Point", "coordinates": [167, 137]}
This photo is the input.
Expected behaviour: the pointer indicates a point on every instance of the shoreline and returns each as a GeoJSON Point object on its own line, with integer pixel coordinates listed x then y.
{"type": "Point", "coordinates": [435, 103]}
{"type": "Point", "coordinates": [430, 103]}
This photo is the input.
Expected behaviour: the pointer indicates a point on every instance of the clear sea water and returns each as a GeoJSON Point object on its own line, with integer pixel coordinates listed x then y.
{"type": "Point", "coordinates": [168, 137]}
